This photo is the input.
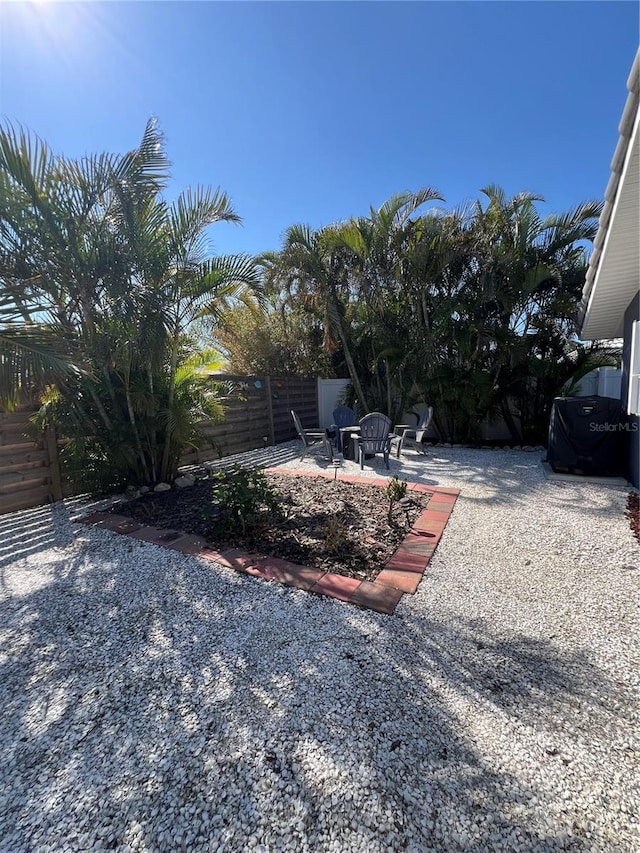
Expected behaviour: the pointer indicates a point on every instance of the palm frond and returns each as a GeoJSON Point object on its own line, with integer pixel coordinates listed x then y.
{"type": "Point", "coordinates": [197, 208]}
{"type": "Point", "coordinates": [227, 277]}
{"type": "Point", "coordinates": [301, 235]}
{"type": "Point", "coordinates": [26, 160]}
{"type": "Point", "coordinates": [351, 235]}
{"type": "Point", "coordinates": [578, 223]}
{"type": "Point", "coordinates": [495, 194]}
{"type": "Point", "coordinates": [33, 355]}
{"type": "Point", "coordinates": [410, 202]}
{"type": "Point", "coordinates": [199, 365]}
{"type": "Point", "coordinates": [148, 163]}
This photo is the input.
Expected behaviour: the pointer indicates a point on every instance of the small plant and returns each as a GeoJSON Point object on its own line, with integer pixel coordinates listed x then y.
{"type": "Point", "coordinates": [395, 490]}
{"type": "Point", "coordinates": [335, 536]}
{"type": "Point", "coordinates": [242, 497]}
{"type": "Point", "coordinates": [149, 511]}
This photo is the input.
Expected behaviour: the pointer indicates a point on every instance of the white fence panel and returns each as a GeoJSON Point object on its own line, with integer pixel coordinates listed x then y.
{"type": "Point", "coordinates": [609, 382]}
{"type": "Point", "coordinates": [329, 390]}
{"type": "Point", "coordinates": [601, 382]}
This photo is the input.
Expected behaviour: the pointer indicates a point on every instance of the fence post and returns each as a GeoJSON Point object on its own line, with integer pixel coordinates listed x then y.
{"type": "Point", "coordinates": [267, 388]}
{"type": "Point", "coordinates": [54, 463]}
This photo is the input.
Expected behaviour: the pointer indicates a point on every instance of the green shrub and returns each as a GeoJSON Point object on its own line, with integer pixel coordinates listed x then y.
{"type": "Point", "coordinates": [243, 498]}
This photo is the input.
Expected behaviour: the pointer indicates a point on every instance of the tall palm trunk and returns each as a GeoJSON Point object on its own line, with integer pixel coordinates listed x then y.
{"type": "Point", "coordinates": [387, 373]}
{"type": "Point", "coordinates": [106, 420]}
{"type": "Point", "coordinates": [164, 465]}
{"type": "Point", "coordinates": [510, 420]}
{"type": "Point", "coordinates": [136, 436]}
{"type": "Point", "coordinates": [134, 425]}
{"type": "Point", "coordinates": [333, 312]}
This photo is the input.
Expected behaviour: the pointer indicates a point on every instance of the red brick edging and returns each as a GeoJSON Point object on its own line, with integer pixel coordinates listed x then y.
{"type": "Point", "coordinates": [401, 574]}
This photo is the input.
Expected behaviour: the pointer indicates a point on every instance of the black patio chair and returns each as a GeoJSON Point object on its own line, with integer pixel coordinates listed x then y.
{"type": "Point", "coordinates": [374, 437]}
{"type": "Point", "coordinates": [311, 437]}
{"type": "Point", "coordinates": [343, 417]}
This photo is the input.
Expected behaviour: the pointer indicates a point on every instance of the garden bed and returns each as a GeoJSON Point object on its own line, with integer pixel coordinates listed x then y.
{"type": "Point", "coordinates": [325, 524]}
{"type": "Point", "coordinates": [633, 513]}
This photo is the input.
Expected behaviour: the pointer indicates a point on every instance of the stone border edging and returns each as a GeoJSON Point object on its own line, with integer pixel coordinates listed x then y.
{"type": "Point", "coordinates": [400, 575]}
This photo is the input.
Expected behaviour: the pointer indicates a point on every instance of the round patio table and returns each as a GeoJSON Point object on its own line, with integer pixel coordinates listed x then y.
{"type": "Point", "coordinates": [348, 446]}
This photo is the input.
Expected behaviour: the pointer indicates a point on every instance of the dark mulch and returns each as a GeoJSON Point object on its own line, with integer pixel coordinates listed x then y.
{"type": "Point", "coordinates": [633, 513]}
{"type": "Point", "coordinates": [328, 524]}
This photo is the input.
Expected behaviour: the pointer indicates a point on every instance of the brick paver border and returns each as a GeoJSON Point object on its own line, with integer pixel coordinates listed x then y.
{"type": "Point", "coordinates": [400, 575]}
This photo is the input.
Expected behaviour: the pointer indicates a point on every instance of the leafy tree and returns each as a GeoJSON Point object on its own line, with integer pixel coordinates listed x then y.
{"type": "Point", "coordinates": [285, 339]}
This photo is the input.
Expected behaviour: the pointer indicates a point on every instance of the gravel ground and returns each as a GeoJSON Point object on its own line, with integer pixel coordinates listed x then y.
{"type": "Point", "coordinates": [151, 701]}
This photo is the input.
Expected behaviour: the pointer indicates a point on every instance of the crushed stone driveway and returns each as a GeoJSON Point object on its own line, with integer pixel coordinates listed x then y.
{"type": "Point", "coordinates": [152, 701]}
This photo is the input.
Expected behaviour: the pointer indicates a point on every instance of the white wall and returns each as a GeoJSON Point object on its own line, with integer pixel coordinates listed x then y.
{"type": "Point", "coordinates": [328, 392]}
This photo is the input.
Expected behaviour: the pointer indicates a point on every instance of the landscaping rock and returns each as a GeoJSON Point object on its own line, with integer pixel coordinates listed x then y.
{"type": "Point", "coordinates": [185, 481]}
{"type": "Point", "coordinates": [162, 487]}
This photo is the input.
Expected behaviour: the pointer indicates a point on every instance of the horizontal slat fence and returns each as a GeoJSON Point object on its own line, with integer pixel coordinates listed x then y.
{"type": "Point", "coordinates": [29, 472]}
{"type": "Point", "coordinates": [301, 395]}
{"type": "Point", "coordinates": [257, 414]}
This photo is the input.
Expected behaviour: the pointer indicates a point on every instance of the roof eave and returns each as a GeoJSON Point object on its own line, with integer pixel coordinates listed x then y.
{"type": "Point", "coordinates": [623, 168]}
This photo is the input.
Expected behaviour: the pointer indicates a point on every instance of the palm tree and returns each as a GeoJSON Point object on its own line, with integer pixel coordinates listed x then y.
{"type": "Point", "coordinates": [59, 249]}
{"type": "Point", "coordinates": [530, 275]}
{"type": "Point", "coordinates": [99, 279]}
{"type": "Point", "coordinates": [202, 287]}
{"type": "Point", "coordinates": [310, 266]}
{"type": "Point", "coordinates": [495, 286]}
{"type": "Point", "coordinates": [378, 246]}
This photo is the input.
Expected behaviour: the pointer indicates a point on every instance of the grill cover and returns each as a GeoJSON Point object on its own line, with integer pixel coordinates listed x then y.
{"type": "Point", "coordinates": [586, 436]}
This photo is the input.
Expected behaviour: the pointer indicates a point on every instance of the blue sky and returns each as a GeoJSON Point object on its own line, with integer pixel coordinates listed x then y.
{"type": "Point", "coordinates": [311, 111]}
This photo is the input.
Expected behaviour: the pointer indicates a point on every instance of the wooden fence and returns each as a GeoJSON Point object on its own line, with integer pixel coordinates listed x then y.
{"type": "Point", "coordinates": [257, 414]}
{"type": "Point", "coordinates": [29, 470]}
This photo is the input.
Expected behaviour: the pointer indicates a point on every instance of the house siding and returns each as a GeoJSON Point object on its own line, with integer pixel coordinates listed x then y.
{"type": "Point", "coordinates": [632, 313]}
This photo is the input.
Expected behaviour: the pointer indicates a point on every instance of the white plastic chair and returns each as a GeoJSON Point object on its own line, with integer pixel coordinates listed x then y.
{"type": "Point", "coordinates": [417, 434]}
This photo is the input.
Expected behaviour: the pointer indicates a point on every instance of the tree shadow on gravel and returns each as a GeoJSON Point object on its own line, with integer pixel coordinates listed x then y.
{"type": "Point", "coordinates": [263, 457]}
{"type": "Point", "coordinates": [509, 479]}
{"type": "Point", "coordinates": [155, 701]}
